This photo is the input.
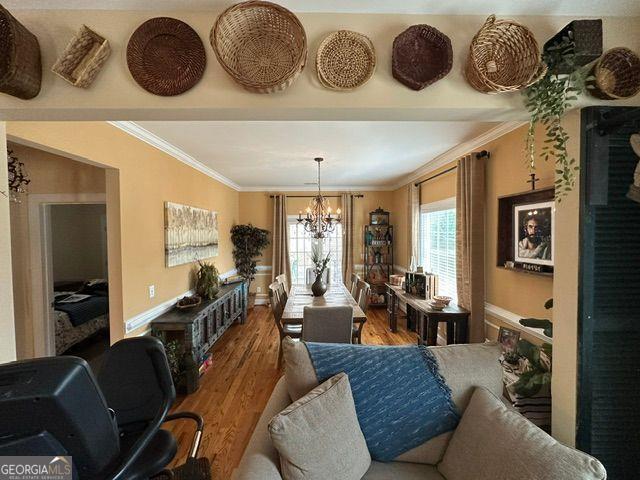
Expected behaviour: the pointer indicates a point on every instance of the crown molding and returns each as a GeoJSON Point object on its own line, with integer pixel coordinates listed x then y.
{"type": "Point", "coordinates": [313, 188]}
{"type": "Point", "coordinates": [146, 136]}
{"type": "Point", "coordinates": [459, 151]}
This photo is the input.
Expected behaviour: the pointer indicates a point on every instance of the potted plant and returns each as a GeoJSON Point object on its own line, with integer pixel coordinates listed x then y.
{"type": "Point", "coordinates": [248, 243]}
{"type": "Point", "coordinates": [320, 262]}
{"type": "Point", "coordinates": [537, 368]}
{"type": "Point", "coordinates": [207, 280]}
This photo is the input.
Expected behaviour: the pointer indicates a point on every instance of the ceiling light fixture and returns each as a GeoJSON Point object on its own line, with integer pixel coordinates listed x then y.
{"type": "Point", "coordinates": [318, 219]}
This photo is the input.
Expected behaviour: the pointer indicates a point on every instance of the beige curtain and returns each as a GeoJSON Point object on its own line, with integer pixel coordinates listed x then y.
{"type": "Point", "coordinates": [470, 241]}
{"type": "Point", "coordinates": [413, 223]}
{"type": "Point", "coordinates": [347, 237]}
{"type": "Point", "coordinates": [280, 239]}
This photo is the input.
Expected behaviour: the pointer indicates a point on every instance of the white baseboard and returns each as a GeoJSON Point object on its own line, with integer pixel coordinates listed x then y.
{"type": "Point", "coordinates": [147, 316]}
{"type": "Point", "coordinates": [262, 299]}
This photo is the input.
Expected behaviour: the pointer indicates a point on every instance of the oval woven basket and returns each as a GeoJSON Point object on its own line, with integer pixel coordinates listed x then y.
{"type": "Point", "coordinates": [261, 45]}
{"type": "Point", "coordinates": [617, 75]}
{"type": "Point", "coordinates": [20, 64]}
{"type": "Point", "coordinates": [421, 56]}
{"type": "Point", "coordinates": [166, 56]}
{"type": "Point", "coordinates": [345, 60]}
{"type": "Point", "coordinates": [503, 57]}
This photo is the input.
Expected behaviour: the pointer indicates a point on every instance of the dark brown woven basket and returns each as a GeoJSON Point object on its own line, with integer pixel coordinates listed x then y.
{"type": "Point", "coordinates": [20, 64]}
{"type": "Point", "coordinates": [166, 56]}
{"type": "Point", "coordinates": [422, 55]}
{"type": "Point", "coordinates": [617, 75]}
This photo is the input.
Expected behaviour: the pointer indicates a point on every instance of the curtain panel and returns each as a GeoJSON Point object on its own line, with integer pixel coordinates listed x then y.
{"type": "Point", "coordinates": [347, 237]}
{"type": "Point", "coordinates": [280, 239]}
{"type": "Point", "coordinates": [470, 206]}
{"type": "Point", "coordinates": [413, 225]}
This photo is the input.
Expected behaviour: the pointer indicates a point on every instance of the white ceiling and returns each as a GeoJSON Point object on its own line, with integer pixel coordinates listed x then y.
{"type": "Point", "coordinates": [457, 7]}
{"type": "Point", "coordinates": [273, 155]}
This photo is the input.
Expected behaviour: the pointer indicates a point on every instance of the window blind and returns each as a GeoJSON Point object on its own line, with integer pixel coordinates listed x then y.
{"type": "Point", "coordinates": [438, 247]}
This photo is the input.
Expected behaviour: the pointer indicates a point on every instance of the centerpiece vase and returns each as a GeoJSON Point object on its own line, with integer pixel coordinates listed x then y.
{"type": "Point", "coordinates": [318, 287]}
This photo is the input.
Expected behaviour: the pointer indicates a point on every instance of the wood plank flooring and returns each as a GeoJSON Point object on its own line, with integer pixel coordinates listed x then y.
{"type": "Point", "coordinates": [245, 370]}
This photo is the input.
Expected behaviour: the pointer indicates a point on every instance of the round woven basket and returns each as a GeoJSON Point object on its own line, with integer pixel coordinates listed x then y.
{"type": "Point", "coordinates": [345, 60]}
{"type": "Point", "coordinates": [166, 56]}
{"type": "Point", "coordinates": [421, 56]}
{"type": "Point", "coordinates": [504, 57]}
{"type": "Point", "coordinates": [617, 75]}
{"type": "Point", "coordinates": [261, 45]}
{"type": "Point", "coordinates": [20, 64]}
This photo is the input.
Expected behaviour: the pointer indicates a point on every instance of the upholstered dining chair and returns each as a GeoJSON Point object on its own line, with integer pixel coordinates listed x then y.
{"type": "Point", "coordinates": [327, 324]}
{"type": "Point", "coordinates": [310, 276]}
{"type": "Point", "coordinates": [364, 290]}
{"type": "Point", "coordinates": [277, 307]}
{"type": "Point", "coordinates": [353, 287]}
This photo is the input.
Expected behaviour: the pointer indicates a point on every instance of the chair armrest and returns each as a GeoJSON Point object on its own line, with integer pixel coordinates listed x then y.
{"type": "Point", "coordinates": [260, 460]}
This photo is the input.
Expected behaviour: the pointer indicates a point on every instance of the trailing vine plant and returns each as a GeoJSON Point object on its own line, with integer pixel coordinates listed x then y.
{"type": "Point", "coordinates": [547, 101]}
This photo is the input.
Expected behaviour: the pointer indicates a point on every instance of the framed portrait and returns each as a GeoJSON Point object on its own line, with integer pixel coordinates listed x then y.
{"type": "Point", "coordinates": [508, 338]}
{"type": "Point", "coordinates": [533, 233]}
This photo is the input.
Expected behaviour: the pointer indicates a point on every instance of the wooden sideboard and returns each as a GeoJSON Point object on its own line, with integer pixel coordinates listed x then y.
{"type": "Point", "coordinates": [199, 327]}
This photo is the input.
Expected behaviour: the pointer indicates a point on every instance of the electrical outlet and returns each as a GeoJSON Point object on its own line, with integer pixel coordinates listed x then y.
{"type": "Point", "coordinates": [152, 291]}
{"type": "Point", "coordinates": [258, 289]}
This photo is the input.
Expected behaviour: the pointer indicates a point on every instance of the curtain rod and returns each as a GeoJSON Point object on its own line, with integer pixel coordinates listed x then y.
{"type": "Point", "coordinates": [359, 195]}
{"type": "Point", "coordinates": [483, 153]}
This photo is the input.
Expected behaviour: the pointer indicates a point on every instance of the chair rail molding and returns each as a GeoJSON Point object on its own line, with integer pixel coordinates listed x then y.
{"type": "Point", "coordinates": [513, 319]}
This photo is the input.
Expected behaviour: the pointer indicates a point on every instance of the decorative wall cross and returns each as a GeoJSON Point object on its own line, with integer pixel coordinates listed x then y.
{"type": "Point", "coordinates": [533, 180]}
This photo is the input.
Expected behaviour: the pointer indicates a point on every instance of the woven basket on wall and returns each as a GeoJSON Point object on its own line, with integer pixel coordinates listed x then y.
{"type": "Point", "coordinates": [345, 60]}
{"type": "Point", "coordinates": [617, 75]}
{"type": "Point", "coordinates": [20, 64]}
{"type": "Point", "coordinates": [503, 57]}
{"type": "Point", "coordinates": [83, 58]}
{"type": "Point", "coordinates": [421, 56]}
{"type": "Point", "coordinates": [261, 45]}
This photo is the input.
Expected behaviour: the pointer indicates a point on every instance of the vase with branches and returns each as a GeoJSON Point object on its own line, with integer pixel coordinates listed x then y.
{"type": "Point", "coordinates": [320, 263]}
{"type": "Point", "coordinates": [248, 244]}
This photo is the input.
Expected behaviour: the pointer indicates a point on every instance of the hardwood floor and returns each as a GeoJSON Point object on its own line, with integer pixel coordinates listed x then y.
{"type": "Point", "coordinates": [245, 370]}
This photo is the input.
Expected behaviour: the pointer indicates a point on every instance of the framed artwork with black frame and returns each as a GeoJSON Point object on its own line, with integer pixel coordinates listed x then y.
{"type": "Point", "coordinates": [526, 227]}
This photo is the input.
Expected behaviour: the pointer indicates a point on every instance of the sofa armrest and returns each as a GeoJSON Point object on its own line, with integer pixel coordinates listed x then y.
{"type": "Point", "coordinates": [260, 460]}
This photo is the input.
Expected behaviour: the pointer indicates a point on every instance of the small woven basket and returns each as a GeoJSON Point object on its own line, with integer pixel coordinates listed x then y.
{"type": "Point", "coordinates": [617, 75]}
{"type": "Point", "coordinates": [345, 60]}
{"type": "Point", "coordinates": [20, 64]}
{"type": "Point", "coordinates": [83, 58]}
{"type": "Point", "coordinates": [261, 45]}
{"type": "Point", "coordinates": [503, 57]}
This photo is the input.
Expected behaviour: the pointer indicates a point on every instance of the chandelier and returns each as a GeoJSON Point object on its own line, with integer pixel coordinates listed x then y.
{"type": "Point", "coordinates": [18, 178]}
{"type": "Point", "coordinates": [318, 219]}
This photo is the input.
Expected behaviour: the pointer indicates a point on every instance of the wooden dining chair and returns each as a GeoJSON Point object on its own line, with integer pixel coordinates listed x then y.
{"type": "Point", "coordinates": [277, 307]}
{"type": "Point", "coordinates": [310, 276]}
{"type": "Point", "coordinates": [364, 290]}
{"type": "Point", "coordinates": [282, 278]}
{"type": "Point", "coordinates": [327, 324]}
{"type": "Point", "coordinates": [353, 287]}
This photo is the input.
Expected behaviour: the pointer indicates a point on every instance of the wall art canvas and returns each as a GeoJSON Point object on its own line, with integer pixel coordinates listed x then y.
{"type": "Point", "coordinates": [191, 234]}
{"type": "Point", "coordinates": [533, 233]}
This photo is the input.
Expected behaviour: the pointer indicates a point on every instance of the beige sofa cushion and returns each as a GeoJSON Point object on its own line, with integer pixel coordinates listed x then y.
{"type": "Point", "coordinates": [464, 367]}
{"type": "Point", "coordinates": [493, 442]}
{"type": "Point", "coordinates": [402, 471]}
{"type": "Point", "coordinates": [318, 436]}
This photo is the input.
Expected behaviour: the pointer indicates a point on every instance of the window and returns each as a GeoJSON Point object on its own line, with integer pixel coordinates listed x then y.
{"type": "Point", "coordinates": [438, 243]}
{"type": "Point", "coordinates": [300, 251]}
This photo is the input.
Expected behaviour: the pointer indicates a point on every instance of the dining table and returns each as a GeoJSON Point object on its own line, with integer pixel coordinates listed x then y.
{"type": "Point", "coordinates": [337, 295]}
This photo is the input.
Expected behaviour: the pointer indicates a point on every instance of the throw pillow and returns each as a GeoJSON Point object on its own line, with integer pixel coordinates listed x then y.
{"type": "Point", "coordinates": [492, 441]}
{"type": "Point", "coordinates": [318, 436]}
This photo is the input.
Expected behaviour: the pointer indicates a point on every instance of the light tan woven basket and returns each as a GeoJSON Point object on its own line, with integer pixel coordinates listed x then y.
{"type": "Point", "coordinates": [616, 74]}
{"type": "Point", "coordinates": [345, 60]}
{"type": "Point", "coordinates": [503, 57]}
{"type": "Point", "coordinates": [83, 58]}
{"type": "Point", "coordinates": [261, 45]}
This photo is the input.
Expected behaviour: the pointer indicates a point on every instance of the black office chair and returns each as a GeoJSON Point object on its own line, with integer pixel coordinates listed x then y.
{"type": "Point", "coordinates": [110, 427]}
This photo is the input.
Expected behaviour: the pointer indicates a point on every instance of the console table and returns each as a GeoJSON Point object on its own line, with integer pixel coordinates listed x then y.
{"type": "Point", "coordinates": [199, 327]}
{"type": "Point", "coordinates": [425, 320]}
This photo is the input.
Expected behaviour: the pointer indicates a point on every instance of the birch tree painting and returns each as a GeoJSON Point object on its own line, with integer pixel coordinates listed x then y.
{"type": "Point", "coordinates": [190, 234]}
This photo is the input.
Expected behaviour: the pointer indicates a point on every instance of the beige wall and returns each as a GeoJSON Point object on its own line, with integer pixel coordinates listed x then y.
{"type": "Point", "coordinates": [49, 174]}
{"type": "Point", "coordinates": [7, 325]}
{"type": "Point", "coordinates": [139, 180]}
{"type": "Point", "coordinates": [257, 208]}
{"type": "Point", "coordinates": [78, 242]}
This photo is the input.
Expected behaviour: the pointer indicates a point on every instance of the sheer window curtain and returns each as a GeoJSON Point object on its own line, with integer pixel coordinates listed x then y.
{"type": "Point", "coordinates": [413, 224]}
{"type": "Point", "coordinates": [470, 205]}
{"type": "Point", "coordinates": [280, 239]}
{"type": "Point", "coordinates": [347, 237]}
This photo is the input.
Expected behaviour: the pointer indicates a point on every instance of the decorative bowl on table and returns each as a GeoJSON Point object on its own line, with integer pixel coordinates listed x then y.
{"type": "Point", "coordinates": [442, 299]}
{"type": "Point", "coordinates": [436, 305]}
{"type": "Point", "coordinates": [189, 301]}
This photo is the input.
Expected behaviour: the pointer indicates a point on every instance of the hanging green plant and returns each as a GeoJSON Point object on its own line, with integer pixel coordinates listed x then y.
{"type": "Point", "coordinates": [547, 101]}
